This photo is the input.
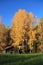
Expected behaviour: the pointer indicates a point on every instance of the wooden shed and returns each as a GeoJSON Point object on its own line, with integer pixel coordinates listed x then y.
{"type": "Point", "coordinates": [11, 49]}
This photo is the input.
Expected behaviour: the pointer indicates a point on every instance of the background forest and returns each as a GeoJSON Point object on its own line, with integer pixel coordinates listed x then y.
{"type": "Point", "coordinates": [24, 36]}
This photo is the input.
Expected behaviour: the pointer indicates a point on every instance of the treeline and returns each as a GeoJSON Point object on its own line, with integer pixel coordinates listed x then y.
{"type": "Point", "coordinates": [25, 34]}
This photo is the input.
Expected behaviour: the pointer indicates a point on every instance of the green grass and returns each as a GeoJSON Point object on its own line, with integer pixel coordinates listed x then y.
{"type": "Point", "coordinates": [21, 59]}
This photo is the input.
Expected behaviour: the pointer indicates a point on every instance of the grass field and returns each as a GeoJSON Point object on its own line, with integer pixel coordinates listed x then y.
{"type": "Point", "coordinates": [21, 59]}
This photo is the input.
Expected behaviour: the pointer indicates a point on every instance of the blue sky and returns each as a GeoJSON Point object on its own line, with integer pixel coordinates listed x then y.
{"type": "Point", "coordinates": [9, 7]}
